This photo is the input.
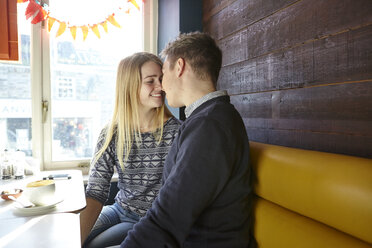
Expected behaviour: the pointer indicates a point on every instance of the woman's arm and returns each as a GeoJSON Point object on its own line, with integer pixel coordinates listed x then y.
{"type": "Point", "coordinates": [88, 217]}
{"type": "Point", "coordinates": [100, 175]}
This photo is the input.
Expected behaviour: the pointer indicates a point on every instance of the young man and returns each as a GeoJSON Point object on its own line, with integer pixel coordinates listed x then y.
{"type": "Point", "coordinates": [205, 200]}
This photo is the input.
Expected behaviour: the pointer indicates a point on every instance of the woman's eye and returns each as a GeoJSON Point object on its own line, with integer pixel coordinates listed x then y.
{"type": "Point", "coordinates": [150, 82]}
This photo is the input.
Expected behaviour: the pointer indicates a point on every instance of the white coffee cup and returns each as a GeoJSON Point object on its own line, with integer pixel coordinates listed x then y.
{"type": "Point", "coordinates": [41, 192]}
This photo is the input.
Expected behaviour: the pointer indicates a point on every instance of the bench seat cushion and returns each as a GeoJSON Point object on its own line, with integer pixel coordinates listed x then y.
{"type": "Point", "coordinates": [277, 227]}
{"type": "Point", "coordinates": [332, 189]}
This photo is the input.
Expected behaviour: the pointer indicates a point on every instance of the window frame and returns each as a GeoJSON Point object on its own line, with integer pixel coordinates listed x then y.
{"type": "Point", "coordinates": [41, 87]}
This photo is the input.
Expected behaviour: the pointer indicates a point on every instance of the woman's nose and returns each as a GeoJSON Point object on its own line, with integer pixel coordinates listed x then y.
{"type": "Point", "coordinates": [158, 84]}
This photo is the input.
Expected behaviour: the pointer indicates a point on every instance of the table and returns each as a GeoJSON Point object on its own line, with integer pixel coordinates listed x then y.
{"type": "Point", "coordinates": [70, 190]}
{"type": "Point", "coordinates": [52, 230]}
{"type": "Point", "coordinates": [58, 227]}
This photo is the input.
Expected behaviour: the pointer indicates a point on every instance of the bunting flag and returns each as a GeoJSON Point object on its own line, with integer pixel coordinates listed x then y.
{"type": "Point", "coordinates": [85, 31]}
{"type": "Point", "coordinates": [134, 3]}
{"type": "Point", "coordinates": [61, 29]}
{"type": "Point", "coordinates": [73, 31]}
{"type": "Point", "coordinates": [32, 9]}
{"type": "Point", "coordinates": [112, 20]}
{"type": "Point", "coordinates": [95, 30]}
{"type": "Point", "coordinates": [50, 23]}
{"type": "Point", "coordinates": [104, 25]}
{"type": "Point", "coordinates": [38, 12]}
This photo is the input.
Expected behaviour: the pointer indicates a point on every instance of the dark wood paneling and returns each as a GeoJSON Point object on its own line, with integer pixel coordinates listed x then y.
{"type": "Point", "coordinates": [311, 118]}
{"type": "Point", "coordinates": [322, 103]}
{"type": "Point", "coordinates": [299, 72]}
{"type": "Point", "coordinates": [335, 143]}
{"type": "Point", "coordinates": [211, 7]}
{"type": "Point", "coordinates": [299, 23]}
{"type": "Point", "coordinates": [315, 109]}
{"type": "Point", "coordinates": [256, 105]}
{"type": "Point", "coordinates": [339, 58]}
{"type": "Point", "coordinates": [238, 14]}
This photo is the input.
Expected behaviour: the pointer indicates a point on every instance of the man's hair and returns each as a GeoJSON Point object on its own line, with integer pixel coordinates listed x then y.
{"type": "Point", "coordinates": [199, 50]}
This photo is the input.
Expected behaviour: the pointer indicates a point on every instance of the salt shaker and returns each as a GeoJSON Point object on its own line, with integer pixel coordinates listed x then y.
{"type": "Point", "coordinates": [6, 166]}
{"type": "Point", "coordinates": [19, 164]}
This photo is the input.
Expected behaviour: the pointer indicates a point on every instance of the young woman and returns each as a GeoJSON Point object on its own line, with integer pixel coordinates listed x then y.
{"type": "Point", "coordinates": [135, 143]}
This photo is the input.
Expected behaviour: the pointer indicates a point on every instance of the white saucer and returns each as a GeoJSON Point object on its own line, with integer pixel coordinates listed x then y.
{"type": "Point", "coordinates": [36, 210]}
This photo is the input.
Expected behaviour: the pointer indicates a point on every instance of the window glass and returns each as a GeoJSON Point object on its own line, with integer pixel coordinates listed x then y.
{"type": "Point", "coordinates": [83, 75]}
{"type": "Point", "coordinates": [15, 93]}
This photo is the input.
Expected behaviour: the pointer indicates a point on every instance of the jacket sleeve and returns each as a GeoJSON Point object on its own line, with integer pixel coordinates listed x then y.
{"type": "Point", "coordinates": [202, 168]}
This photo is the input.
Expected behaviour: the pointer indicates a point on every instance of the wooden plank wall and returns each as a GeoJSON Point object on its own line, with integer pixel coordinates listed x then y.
{"type": "Point", "coordinates": [299, 72]}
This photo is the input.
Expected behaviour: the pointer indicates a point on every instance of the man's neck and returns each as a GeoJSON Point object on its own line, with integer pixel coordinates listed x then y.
{"type": "Point", "coordinates": [196, 96]}
{"type": "Point", "coordinates": [190, 108]}
{"type": "Point", "coordinates": [193, 87]}
{"type": "Point", "coordinates": [197, 89]}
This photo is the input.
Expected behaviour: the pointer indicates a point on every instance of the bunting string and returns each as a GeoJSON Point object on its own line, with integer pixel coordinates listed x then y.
{"type": "Point", "coordinates": [38, 12]}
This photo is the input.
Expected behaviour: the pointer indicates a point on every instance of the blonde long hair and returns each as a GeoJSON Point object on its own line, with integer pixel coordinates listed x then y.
{"type": "Point", "coordinates": [125, 120]}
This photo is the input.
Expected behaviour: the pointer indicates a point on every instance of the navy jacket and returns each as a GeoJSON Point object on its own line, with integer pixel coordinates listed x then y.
{"type": "Point", "coordinates": [205, 200]}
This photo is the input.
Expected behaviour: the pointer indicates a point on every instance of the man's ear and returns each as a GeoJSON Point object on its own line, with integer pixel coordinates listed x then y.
{"type": "Point", "coordinates": [180, 66]}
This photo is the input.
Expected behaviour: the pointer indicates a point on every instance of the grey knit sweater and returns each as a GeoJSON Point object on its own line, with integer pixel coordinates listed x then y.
{"type": "Point", "coordinates": [141, 179]}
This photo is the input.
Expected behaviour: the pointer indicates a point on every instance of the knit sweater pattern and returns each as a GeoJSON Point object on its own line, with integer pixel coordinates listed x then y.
{"type": "Point", "coordinates": [141, 179]}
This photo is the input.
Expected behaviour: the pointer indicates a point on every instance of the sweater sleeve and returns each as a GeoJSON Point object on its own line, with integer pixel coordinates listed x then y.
{"type": "Point", "coordinates": [101, 173]}
{"type": "Point", "coordinates": [202, 168]}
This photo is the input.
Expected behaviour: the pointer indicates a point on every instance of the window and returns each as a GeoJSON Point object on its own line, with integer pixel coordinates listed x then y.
{"type": "Point", "coordinates": [65, 88]}
{"type": "Point", "coordinates": [15, 94]}
{"type": "Point", "coordinates": [65, 91]}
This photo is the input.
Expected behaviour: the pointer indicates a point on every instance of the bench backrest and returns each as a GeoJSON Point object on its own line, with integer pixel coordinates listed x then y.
{"type": "Point", "coordinates": [311, 199]}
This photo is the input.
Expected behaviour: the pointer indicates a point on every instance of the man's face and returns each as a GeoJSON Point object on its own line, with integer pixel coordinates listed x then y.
{"type": "Point", "coordinates": [170, 85]}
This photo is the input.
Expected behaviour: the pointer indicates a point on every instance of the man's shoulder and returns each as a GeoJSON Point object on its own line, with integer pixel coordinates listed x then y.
{"type": "Point", "coordinates": [219, 109]}
{"type": "Point", "coordinates": [219, 116]}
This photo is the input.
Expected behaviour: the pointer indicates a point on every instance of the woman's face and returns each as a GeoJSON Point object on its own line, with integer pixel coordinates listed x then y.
{"type": "Point", "coordinates": [151, 95]}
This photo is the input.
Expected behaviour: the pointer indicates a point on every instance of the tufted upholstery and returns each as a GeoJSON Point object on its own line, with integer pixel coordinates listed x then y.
{"type": "Point", "coordinates": [311, 199]}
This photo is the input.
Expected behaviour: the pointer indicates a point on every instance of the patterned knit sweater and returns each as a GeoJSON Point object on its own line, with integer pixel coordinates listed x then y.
{"type": "Point", "coordinates": [141, 179]}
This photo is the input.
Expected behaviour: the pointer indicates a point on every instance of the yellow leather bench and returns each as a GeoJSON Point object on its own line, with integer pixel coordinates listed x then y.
{"type": "Point", "coordinates": [311, 199]}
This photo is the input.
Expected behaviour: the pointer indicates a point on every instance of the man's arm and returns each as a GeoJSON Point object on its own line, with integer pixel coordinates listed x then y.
{"type": "Point", "coordinates": [203, 166]}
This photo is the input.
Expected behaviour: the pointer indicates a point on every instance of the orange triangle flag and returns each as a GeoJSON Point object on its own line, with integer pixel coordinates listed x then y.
{"type": "Point", "coordinates": [85, 31]}
{"type": "Point", "coordinates": [61, 29]}
{"type": "Point", "coordinates": [44, 12]}
{"type": "Point", "coordinates": [95, 30]}
{"type": "Point", "coordinates": [104, 25]}
{"type": "Point", "coordinates": [38, 17]}
{"type": "Point", "coordinates": [112, 20]}
{"type": "Point", "coordinates": [31, 9]}
{"type": "Point", "coordinates": [134, 3]}
{"type": "Point", "coordinates": [73, 31]}
{"type": "Point", "coordinates": [50, 23]}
